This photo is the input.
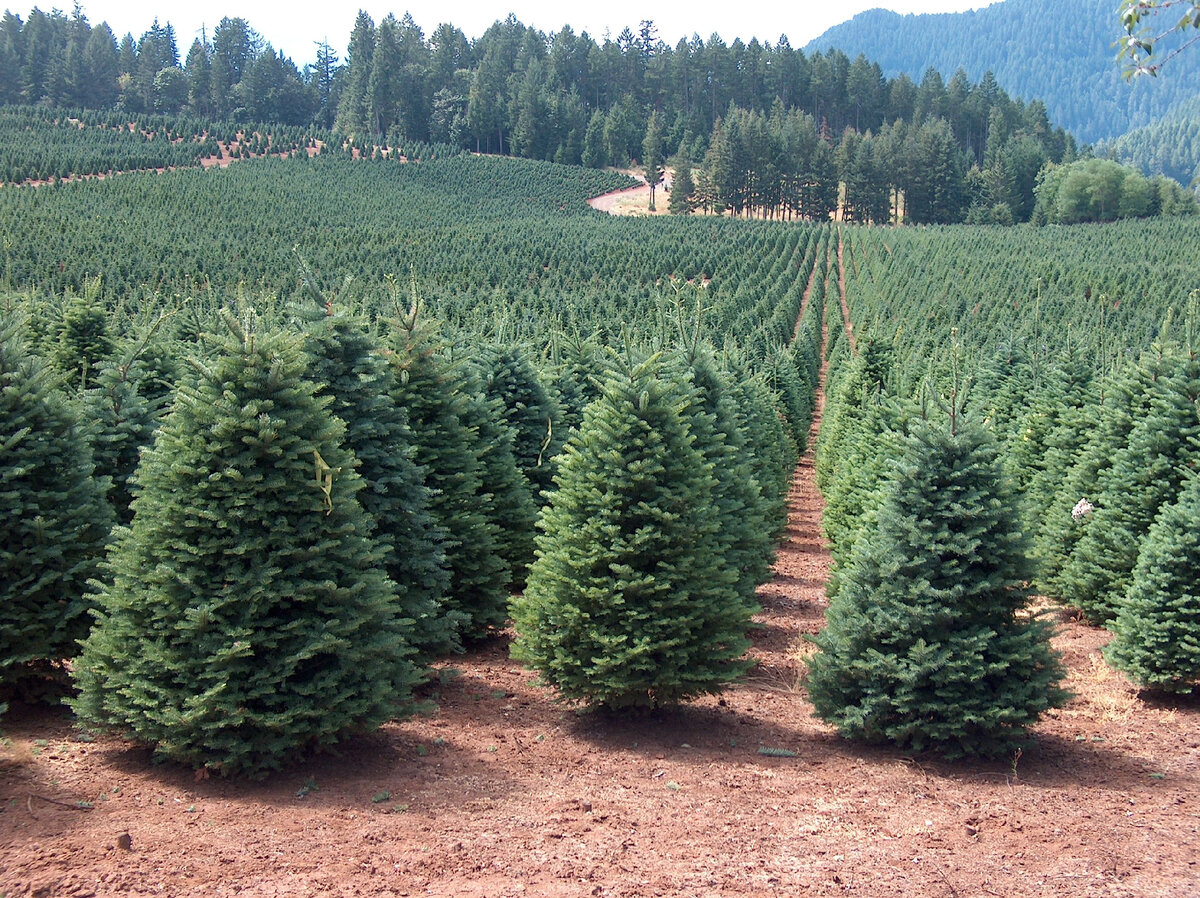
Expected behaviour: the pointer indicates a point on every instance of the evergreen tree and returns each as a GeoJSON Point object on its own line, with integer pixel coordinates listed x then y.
{"type": "Point", "coordinates": [247, 617]}
{"type": "Point", "coordinates": [681, 201]}
{"type": "Point", "coordinates": [773, 456]}
{"type": "Point", "coordinates": [1107, 429]}
{"type": "Point", "coordinates": [1156, 633]}
{"type": "Point", "coordinates": [630, 603]}
{"type": "Point", "coordinates": [82, 338]}
{"type": "Point", "coordinates": [652, 155]}
{"type": "Point", "coordinates": [510, 507]}
{"type": "Point", "coordinates": [55, 523]}
{"type": "Point", "coordinates": [924, 647]}
{"type": "Point", "coordinates": [743, 512]}
{"type": "Point", "coordinates": [121, 424]}
{"type": "Point", "coordinates": [508, 376]}
{"type": "Point", "coordinates": [1146, 474]}
{"type": "Point", "coordinates": [347, 365]}
{"type": "Point", "coordinates": [434, 394]}
{"type": "Point", "coordinates": [594, 155]}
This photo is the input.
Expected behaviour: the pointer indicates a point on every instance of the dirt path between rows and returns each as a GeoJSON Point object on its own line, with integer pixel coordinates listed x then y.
{"type": "Point", "coordinates": [500, 791]}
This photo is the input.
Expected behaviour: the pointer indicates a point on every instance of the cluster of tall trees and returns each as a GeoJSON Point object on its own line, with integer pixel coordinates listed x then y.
{"type": "Point", "coordinates": [516, 90]}
{"type": "Point", "coordinates": [1103, 190]}
{"type": "Point", "coordinates": [232, 74]}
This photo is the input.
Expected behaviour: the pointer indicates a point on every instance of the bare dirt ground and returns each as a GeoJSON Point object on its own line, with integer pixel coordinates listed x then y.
{"type": "Point", "coordinates": [634, 200]}
{"type": "Point", "coordinates": [501, 791]}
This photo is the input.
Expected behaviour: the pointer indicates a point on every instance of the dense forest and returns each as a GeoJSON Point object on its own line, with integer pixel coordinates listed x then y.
{"type": "Point", "coordinates": [790, 123]}
{"type": "Point", "coordinates": [1061, 52]}
{"type": "Point", "coordinates": [1170, 146]}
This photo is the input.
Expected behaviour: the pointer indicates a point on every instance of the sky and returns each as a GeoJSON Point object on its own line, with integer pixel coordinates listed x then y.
{"type": "Point", "coordinates": [294, 28]}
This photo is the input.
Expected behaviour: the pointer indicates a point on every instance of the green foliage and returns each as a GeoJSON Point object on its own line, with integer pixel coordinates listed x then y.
{"type": "Point", "coordinates": [1103, 190]}
{"type": "Point", "coordinates": [82, 340]}
{"type": "Point", "coordinates": [445, 421]}
{"type": "Point", "coordinates": [246, 617]}
{"type": "Point", "coordinates": [347, 364]}
{"type": "Point", "coordinates": [121, 424]}
{"type": "Point", "coordinates": [510, 503]}
{"type": "Point", "coordinates": [773, 459]}
{"type": "Point", "coordinates": [528, 409]}
{"type": "Point", "coordinates": [55, 524]}
{"type": "Point", "coordinates": [630, 602]}
{"type": "Point", "coordinates": [926, 645]}
{"type": "Point", "coordinates": [1146, 474]}
{"type": "Point", "coordinates": [683, 188]}
{"type": "Point", "coordinates": [1156, 633]}
{"type": "Point", "coordinates": [743, 513]}
{"type": "Point", "coordinates": [1142, 39]}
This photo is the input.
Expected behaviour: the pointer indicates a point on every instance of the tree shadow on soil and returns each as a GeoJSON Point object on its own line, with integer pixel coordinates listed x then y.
{"type": "Point", "coordinates": [699, 734]}
{"type": "Point", "coordinates": [30, 796]}
{"type": "Point", "coordinates": [1050, 761]}
{"type": "Point", "coordinates": [370, 769]}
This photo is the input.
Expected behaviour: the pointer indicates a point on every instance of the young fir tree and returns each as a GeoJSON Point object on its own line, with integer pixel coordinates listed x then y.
{"type": "Point", "coordinates": [1106, 430]}
{"type": "Point", "coordinates": [773, 455]}
{"type": "Point", "coordinates": [82, 340]}
{"type": "Point", "coordinates": [511, 509]}
{"type": "Point", "coordinates": [433, 393]}
{"type": "Point", "coordinates": [578, 366]}
{"type": "Point", "coordinates": [630, 602]}
{"type": "Point", "coordinates": [853, 498]}
{"type": "Point", "coordinates": [744, 528]}
{"type": "Point", "coordinates": [1146, 474]}
{"type": "Point", "coordinates": [508, 376]}
{"type": "Point", "coordinates": [924, 647]}
{"type": "Point", "coordinates": [1156, 633]}
{"type": "Point", "coordinates": [122, 418]}
{"type": "Point", "coordinates": [246, 617]}
{"type": "Point", "coordinates": [346, 363]}
{"type": "Point", "coordinates": [55, 524]}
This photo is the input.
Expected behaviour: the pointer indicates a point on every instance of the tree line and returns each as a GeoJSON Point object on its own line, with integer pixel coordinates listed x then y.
{"type": "Point", "coordinates": [775, 132]}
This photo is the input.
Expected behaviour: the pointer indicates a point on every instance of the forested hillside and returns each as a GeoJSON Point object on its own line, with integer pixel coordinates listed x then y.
{"type": "Point", "coordinates": [1058, 51]}
{"type": "Point", "coordinates": [1170, 146]}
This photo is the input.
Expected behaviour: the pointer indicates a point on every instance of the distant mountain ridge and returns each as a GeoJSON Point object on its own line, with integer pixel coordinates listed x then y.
{"type": "Point", "coordinates": [1058, 51]}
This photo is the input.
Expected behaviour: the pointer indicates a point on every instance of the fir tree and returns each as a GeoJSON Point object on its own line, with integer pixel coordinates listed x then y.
{"type": "Point", "coordinates": [1146, 474]}
{"type": "Point", "coordinates": [347, 364]}
{"type": "Point", "coordinates": [433, 393]}
{"type": "Point", "coordinates": [773, 455]}
{"type": "Point", "coordinates": [122, 424]}
{"type": "Point", "coordinates": [82, 340]}
{"type": "Point", "coordinates": [630, 603]}
{"type": "Point", "coordinates": [1156, 633]}
{"type": "Point", "coordinates": [246, 618]}
{"type": "Point", "coordinates": [1105, 430]}
{"type": "Point", "coordinates": [680, 200]}
{"type": "Point", "coordinates": [511, 509]}
{"type": "Point", "coordinates": [924, 647]}
{"type": "Point", "coordinates": [743, 512]}
{"type": "Point", "coordinates": [55, 524]}
{"type": "Point", "coordinates": [508, 376]}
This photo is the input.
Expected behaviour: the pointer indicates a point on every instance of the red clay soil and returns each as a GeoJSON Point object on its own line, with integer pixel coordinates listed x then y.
{"type": "Point", "coordinates": [501, 791]}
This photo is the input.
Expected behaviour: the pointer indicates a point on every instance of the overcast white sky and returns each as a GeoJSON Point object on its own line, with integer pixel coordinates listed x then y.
{"type": "Point", "coordinates": [292, 27]}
